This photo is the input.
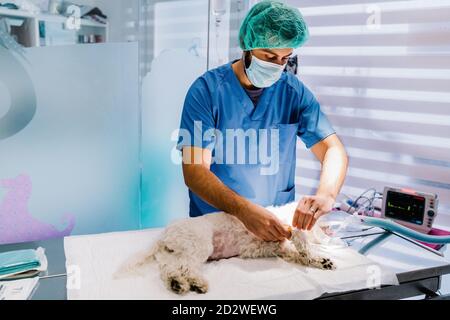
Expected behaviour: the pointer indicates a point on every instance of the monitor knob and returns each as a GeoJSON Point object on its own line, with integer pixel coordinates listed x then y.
{"type": "Point", "coordinates": [430, 213]}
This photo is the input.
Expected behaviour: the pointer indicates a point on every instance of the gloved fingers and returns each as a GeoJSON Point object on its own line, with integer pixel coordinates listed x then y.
{"type": "Point", "coordinates": [275, 234]}
{"type": "Point", "coordinates": [283, 232]}
{"type": "Point", "coordinates": [307, 221]}
{"type": "Point", "coordinates": [312, 222]}
{"type": "Point", "coordinates": [302, 207]}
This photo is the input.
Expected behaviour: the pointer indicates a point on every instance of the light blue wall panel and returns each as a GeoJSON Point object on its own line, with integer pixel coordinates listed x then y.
{"type": "Point", "coordinates": [69, 141]}
{"type": "Point", "coordinates": [164, 194]}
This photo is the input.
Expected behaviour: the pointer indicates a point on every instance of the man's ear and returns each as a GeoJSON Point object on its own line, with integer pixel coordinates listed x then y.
{"type": "Point", "coordinates": [247, 58]}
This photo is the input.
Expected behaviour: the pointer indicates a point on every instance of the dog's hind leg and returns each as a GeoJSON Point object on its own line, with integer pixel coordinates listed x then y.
{"type": "Point", "coordinates": [196, 281]}
{"type": "Point", "coordinates": [174, 275]}
{"type": "Point", "coordinates": [183, 250]}
{"type": "Point", "coordinates": [181, 273]}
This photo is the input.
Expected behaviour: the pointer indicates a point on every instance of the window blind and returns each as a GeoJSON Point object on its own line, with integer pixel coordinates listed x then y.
{"type": "Point", "coordinates": [381, 71]}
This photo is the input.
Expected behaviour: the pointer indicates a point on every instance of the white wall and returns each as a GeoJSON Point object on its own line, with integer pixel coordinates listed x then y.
{"type": "Point", "coordinates": [122, 18]}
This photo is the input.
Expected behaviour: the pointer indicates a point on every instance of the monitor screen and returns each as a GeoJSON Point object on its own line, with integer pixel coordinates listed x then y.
{"type": "Point", "coordinates": [406, 207]}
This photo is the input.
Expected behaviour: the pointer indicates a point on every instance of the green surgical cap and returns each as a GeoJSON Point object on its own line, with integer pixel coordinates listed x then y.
{"type": "Point", "coordinates": [271, 24]}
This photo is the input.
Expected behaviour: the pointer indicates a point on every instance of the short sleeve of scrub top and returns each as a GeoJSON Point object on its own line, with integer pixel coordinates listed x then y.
{"type": "Point", "coordinates": [197, 118]}
{"type": "Point", "coordinates": [314, 125]}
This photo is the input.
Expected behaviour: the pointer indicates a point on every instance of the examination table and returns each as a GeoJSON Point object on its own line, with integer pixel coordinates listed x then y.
{"type": "Point", "coordinates": [419, 272]}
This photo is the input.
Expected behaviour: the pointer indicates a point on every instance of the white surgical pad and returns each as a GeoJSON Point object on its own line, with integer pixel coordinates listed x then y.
{"type": "Point", "coordinates": [92, 260]}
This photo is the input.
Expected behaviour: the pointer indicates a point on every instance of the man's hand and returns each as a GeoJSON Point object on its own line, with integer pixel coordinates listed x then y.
{"type": "Point", "coordinates": [309, 209]}
{"type": "Point", "coordinates": [263, 224]}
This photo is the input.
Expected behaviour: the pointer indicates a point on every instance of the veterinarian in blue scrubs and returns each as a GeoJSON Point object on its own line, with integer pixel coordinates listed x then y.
{"type": "Point", "coordinates": [253, 99]}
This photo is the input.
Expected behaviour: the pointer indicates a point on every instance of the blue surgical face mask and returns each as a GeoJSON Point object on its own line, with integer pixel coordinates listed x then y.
{"type": "Point", "coordinates": [263, 74]}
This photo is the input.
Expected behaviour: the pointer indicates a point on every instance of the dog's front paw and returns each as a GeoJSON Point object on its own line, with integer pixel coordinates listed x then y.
{"type": "Point", "coordinates": [327, 264]}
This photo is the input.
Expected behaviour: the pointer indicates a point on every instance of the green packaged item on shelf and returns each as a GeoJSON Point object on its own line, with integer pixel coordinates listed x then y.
{"type": "Point", "coordinates": [19, 261]}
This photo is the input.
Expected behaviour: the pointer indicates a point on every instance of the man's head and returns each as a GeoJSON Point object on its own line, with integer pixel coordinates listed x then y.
{"type": "Point", "coordinates": [278, 56]}
{"type": "Point", "coordinates": [268, 36]}
{"type": "Point", "coordinates": [273, 25]}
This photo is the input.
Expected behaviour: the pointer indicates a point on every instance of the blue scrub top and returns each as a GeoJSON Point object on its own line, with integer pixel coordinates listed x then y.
{"type": "Point", "coordinates": [216, 101]}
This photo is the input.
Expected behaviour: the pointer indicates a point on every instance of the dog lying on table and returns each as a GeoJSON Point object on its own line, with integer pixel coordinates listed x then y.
{"type": "Point", "coordinates": [187, 244]}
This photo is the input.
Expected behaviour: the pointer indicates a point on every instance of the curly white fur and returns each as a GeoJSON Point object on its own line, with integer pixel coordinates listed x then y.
{"type": "Point", "coordinates": [187, 244]}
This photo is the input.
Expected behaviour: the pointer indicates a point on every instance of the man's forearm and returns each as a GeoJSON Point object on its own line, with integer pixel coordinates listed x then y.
{"type": "Point", "coordinates": [208, 186]}
{"type": "Point", "coordinates": [334, 169]}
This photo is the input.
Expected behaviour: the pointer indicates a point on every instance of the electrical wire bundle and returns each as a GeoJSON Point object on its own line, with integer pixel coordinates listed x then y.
{"type": "Point", "coordinates": [364, 204]}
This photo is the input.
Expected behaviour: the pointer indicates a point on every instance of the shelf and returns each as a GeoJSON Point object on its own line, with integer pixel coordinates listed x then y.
{"type": "Point", "coordinates": [16, 13]}
{"type": "Point", "coordinates": [62, 19]}
{"type": "Point", "coordinates": [28, 33]}
{"type": "Point", "coordinates": [47, 17]}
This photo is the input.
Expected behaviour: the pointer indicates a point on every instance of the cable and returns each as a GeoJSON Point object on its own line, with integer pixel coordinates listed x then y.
{"type": "Point", "coordinates": [359, 206]}
{"type": "Point", "coordinates": [354, 203]}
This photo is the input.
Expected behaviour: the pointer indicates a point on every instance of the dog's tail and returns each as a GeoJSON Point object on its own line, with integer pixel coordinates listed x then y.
{"type": "Point", "coordinates": [135, 264]}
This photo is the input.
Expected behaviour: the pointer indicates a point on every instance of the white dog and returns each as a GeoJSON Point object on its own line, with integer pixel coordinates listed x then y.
{"type": "Point", "coordinates": [187, 244]}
